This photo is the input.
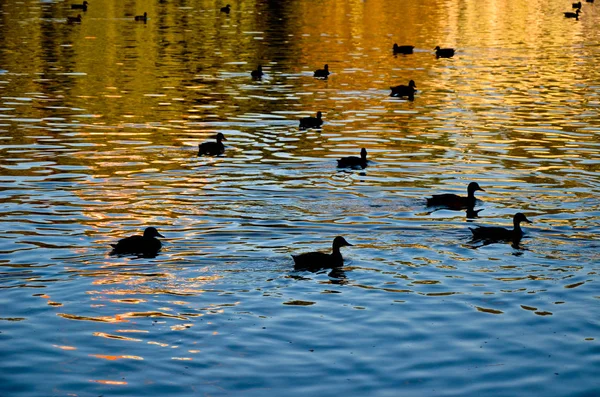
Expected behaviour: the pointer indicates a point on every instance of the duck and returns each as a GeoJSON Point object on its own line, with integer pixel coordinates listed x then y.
{"type": "Point", "coordinates": [82, 6]}
{"type": "Point", "coordinates": [226, 9]}
{"type": "Point", "coordinates": [500, 233]}
{"type": "Point", "coordinates": [146, 245]}
{"type": "Point", "coordinates": [577, 5]}
{"type": "Point", "coordinates": [311, 122]}
{"type": "Point", "coordinates": [142, 17]}
{"type": "Point", "coordinates": [403, 49]}
{"type": "Point", "coordinates": [322, 73]}
{"type": "Point", "coordinates": [589, 1]}
{"type": "Point", "coordinates": [405, 90]}
{"type": "Point", "coordinates": [573, 14]}
{"type": "Point", "coordinates": [444, 52]}
{"type": "Point", "coordinates": [313, 261]}
{"type": "Point", "coordinates": [258, 73]}
{"type": "Point", "coordinates": [76, 19]}
{"type": "Point", "coordinates": [212, 148]}
{"type": "Point", "coordinates": [450, 200]}
{"type": "Point", "coordinates": [353, 161]}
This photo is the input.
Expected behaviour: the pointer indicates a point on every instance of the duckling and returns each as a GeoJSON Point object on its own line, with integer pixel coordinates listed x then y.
{"type": "Point", "coordinates": [405, 90]}
{"type": "Point", "coordinates": [444, 52]}
{"type": "Point", "coordinates": [313, 261]}
{"type": "Point", "coordinates": [212, 148]}
{"type": "Point", "coordinates": [500, 233]}
{"type": "Point", "coordinates": [353, 161]}
{"type": "Point", "coordinates": [454, 201]}
{"type": "Point", "coordinates": [258, 73]}
{"type": "Point", "coordinates": [311, 122]}
{"type": "Point", "coordinates": [80, 6]}
{"type": "Point", "coordinates": [147, 245]}
{"type": "Point", "coordinates": [322, 73]}
{"type": "Point", "coordinates": [577, 5]}
{"type": "Point", "coordinates": [226, 9]}
{"type": "Point", "coordinates": [142, 17]}
{"type": "Point", "coordinates": [573, 14]}
{"type": "Point", "coordinates": [403, 49]}
{"type": "Point", "coordinates": [76, 19]}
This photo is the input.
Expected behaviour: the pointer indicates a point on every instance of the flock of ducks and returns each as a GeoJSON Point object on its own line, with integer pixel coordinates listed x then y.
{"type": "Point", "coordinates": [84, 6]}
{"type": "Point", "coordinates": [577, 8]}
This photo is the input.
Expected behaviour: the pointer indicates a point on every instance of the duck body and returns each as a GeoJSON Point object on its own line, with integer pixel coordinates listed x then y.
{"type": "Point", "coordinates": [454, 201]}
{"type": "Point", "coordinates": [353, 161]}
{"type": "Point", "coordinates": [577, 5]}
{"type": "Point", "coordinates": [444, 52]}
{"type": "Point", "coordinates": [226, 9]}
{"type": "Point", "coordinates": [495, 233]}
{"type": "Point", "coordinates": [146, 244]}
{"type": "Point", "coordinates": [311, 122]}
{"type": "Point", "coordinates": [589, 1]}
{"type": "Point", "coordinates": [404, 90]}
{"type": "Point", "coordinates": [572, 14]}
{"type": "Point", "coordinates": [313, 261]}
{"type": "Point", "coordinates": [403, 49]}
{"type": "Point", "coordinates": [76, 19]}
{"type": "Point", "coordinates": [258, 73]}
{"type": "Point", "coordinates": [212, 148]}
{"type": "Point", "coordinates": [142, 17]}
{"type": "Point", "coordinates": [322, 73]}
{"type": "Point", "coordinates": [80, 6]}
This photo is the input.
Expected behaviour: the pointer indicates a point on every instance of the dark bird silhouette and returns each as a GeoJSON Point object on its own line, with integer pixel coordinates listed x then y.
{"type": "Point", "coordinates": [142, 17]}
{"type": "Point", "coordinates": [405, 90]}
{"type": "Point", "coordinates": [212, 148]}
{"type": "Point", "coordinates": [226, 9]}
{"type": "Point", "coordinates": [322, 73]}
{"type": "Point", "coordinates": [313, 261]}
{"type": "Point", "coordinates": [589, 1]}
{"type": "Point", "coordinates": [573, 14]}
{"type": "Point", "coordinates": [76, 19]}
{"type": "Point", "coordinates": [454, 201]}
{"type": "Point", "coordinates": [353, 161]}
{"type": "Point", "coordinates": [311, 122]}
{"type": "Point", "coordinates": [577, 6]}
{"type": "Point", "coordinates": [258, 73]}
{"type": "Point", "coordinates": [444, 52]}
{"type": "Point", "coordinates": [147, 245]}
{"type": "Point", "coordinates": [403, 49]}
{"type": "Point", "coordinates": [80, 6]}
{"type": "Point", "coordinates": [495, 233]}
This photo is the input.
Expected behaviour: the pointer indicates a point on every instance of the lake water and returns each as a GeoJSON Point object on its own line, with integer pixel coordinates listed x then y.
{"type": "Point", "coordinates": [99, 130]}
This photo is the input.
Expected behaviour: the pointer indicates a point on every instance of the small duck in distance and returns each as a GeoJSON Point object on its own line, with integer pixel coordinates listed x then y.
{"type": "Point", "coordinates": [311, 122]}
{"type": "Point", "coordinates": [405, 90]}
{"type": "Point", "coordinates": [143, 18]}
{"type": "Point", "coordinates": [147, 245]}
{"type": "Point", "coordinates": [226, 9]}
{"type": "Point", "coordinates": [444, 52]}
{"type": "Point", "coordinates": [314, 261]}
{"type": "Point", "coordinates": [82, 6]}
{"type": "Point", "coordinates": [353, 161]}
{"type": "Point", "coordinates": [322, 73]}
{"type": "Point", "coordinates": [212, 148]}
{"type": "Point", "coordinates": [76, 19]}
{"type": "Point", "coordinates": [577, 5]}
{"type": "Point", "coordinates": [258, 73]}
{"type": "Point", "coordinates": [403, 49]}
{"type": "Point", "coordinates": [454, 201]}
{"type": "Point", "coordinates": [573, 14]}
{"type": "Point", "coordinates": [589, 1]}
{"type": "Point", "coordinates": [495, 233]}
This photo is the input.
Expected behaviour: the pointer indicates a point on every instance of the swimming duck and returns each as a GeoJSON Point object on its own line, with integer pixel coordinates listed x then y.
{"type": "Point", "coordinates": [311, 122]}
{"type": "Point", "coordinates": [577, 5]}
{"type": "Point", "coordinates": [353, 161]}
{"type": "Point", "coordinates": [258, 73]}
{"type": "Point", "coordinates": [76, 19]}
{"type": "Point", "coordinates": [80, 6]}
{"type": "Point", "coordinates": [589, 1]}
{"type": "Point", "coordinates": [444, 52]}
{"type": "Point", "coordinates": [500, 233]}
{"type": "Point", "coordinates": [319, 260]}
{"type": "Point", "coordinates": [226, 9]}
{"type": "Point", "coordinates": [322, 73]}
{"type": "Point", "coordinates": [455, 201]}
{"type": "Point", "coordinates": [404, 90]}
{"type": "Point", "coordinates": [147, 244]}
{"type": "Point", "coordinates": [403, 49]}
{"type": "Point", "coordinates": [212, 148]}
{"type": "Point", "coordinates": [573, 14]}
{"type": "Point", "coordinates": [142, 17]}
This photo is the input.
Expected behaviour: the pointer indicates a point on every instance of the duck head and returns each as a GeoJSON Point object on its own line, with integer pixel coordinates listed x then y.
{"type": "Point", "coordinates": [363, 154]}
{"type": "Point", "coordinates": [339, 241]}
{"type": "Point", "coordinates": [151, 232]}
{"type": "Point", "coordinates": [220, 137]}
{"type": "Point", "coordinates": [520, 217]}
{"type": "Point", "coordinates": [474, 186]}
{"type": "Point", "coordinates": [319, 115]}
{"type": "Point", "coordinates": [412, 84]}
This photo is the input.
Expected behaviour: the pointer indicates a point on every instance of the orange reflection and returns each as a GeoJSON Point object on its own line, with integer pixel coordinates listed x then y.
{"type": "Point", "coordinates": [114, 358]}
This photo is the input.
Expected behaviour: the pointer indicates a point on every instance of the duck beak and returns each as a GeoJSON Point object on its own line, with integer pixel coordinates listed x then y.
{"type": "Point", "coordinates": [160, 235]}
{"type": "Point", "coordinates": [347, 243]}
{"type": "Point", "coordinates": [527, 220]}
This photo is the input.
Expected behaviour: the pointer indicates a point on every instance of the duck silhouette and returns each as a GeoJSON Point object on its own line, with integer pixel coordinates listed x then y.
{"type": "Point", "coordinates": [258, 73]}
{"type": "Point", "coordinates": [82, 6]}
{"type": "Point", "coordinates": [147, 245]}
{"type": "Point", "coordinates": [226, 9]}
{"type": "Point", "coordinates": [589, 1]}
{"type": "Point", "coordinates": [212, 148]}
{"type": "Point", "coordinates": [573, 14]}
{"type": "Point", "coordinates": [494, 233]}
{"type": "Point", "coordinates": [444, 52]}
{"type": "Point", "coordinates": [322, 73]}
{"type": "Point", "coordinates": [403, 49]}
{"type": "Point", "coordinates": [405, 90]}
{"type": "Point", "coordinates": [311, 122]}
{"type": "Point", "coordinates": [313, 261]}
{"type": "Point", "coordinates": [353, 161]}
{"type": "Point", "coordinates": [577, 5]}
{"type": "Point", "coordinates": [76, 19]}
{"type": "Point", "coordinates": [454, 201]}
{"type": "Point", "coordinates": [143, 18]}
